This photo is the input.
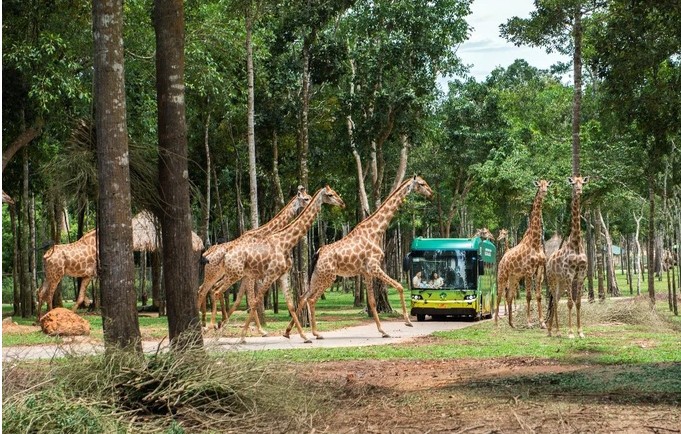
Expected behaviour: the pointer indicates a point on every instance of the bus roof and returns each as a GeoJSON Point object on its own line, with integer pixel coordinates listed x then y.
{"type": "Point", "coordinates": [485, 247]}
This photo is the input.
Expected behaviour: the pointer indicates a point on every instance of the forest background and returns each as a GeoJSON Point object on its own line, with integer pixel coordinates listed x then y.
{"type": "Point", "coordinates": [345, 93]}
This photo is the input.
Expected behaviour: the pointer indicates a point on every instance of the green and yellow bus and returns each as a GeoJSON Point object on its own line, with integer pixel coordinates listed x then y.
{"type": "Point", "coordinates": [452, 277]}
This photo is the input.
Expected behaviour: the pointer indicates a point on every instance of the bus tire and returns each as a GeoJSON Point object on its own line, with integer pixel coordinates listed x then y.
{"type": "Point", "coordinates": [420, 317]}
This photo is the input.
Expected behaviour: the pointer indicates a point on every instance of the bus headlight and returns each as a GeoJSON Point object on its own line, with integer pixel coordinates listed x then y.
{"type": "Point", "coordinates": [416, 297]}
{"type": "Point", "coordinates": [469, 297]}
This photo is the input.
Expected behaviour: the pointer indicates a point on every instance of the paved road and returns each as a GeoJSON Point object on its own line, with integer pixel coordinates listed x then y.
{"type": "Point", "coordinates": [357, 336]}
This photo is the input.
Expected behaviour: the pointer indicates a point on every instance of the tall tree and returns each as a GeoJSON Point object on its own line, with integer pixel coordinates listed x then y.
{"type": "Point", "coordinates": [119, 313]}
{"type": "Point", "coordinates": [558, 25]}
{"type": "Point", "coordinates": [179, 261]}
{"type": "Point", "coordinates": [252, 169]}
{"type": "Point", "coordinates": [637, 50]}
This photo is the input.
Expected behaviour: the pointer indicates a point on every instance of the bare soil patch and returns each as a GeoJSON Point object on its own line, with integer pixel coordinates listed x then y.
{"type": "Point", "coordinates": [471, 396]}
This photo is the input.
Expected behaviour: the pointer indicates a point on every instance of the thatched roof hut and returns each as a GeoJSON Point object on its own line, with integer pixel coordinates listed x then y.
{"type": "Point", "coordinates": [145, 238]}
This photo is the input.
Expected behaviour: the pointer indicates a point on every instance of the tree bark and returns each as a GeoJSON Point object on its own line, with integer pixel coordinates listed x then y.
{"type": "Point", "coordinates": [16, 302]}
{"type": "Point", "coordinates": [651, 239]}
{"type": "Point", "coordinates": [598, 240]}
{"type": "Point", "coordinates": [610, 263]}
{"type": "Point", "coordinates": [637, 255]}
{"type": "Point", "coordinates": [279, 193]}
{"type": "Point", "coordinates": [252, 170]}
{"type": "Point", "coordinates": [590, 258]}
{"type": "Point", "coordinates": [116, 266]}
{"type": "Point", "coordinates": [27, 299]}
{"type": "Point", "coordinates": [179, 261]}
{"type": "Point", "coordinates": [577, 89]}
{"type": "Point", "coordinates": [206, 216]}
{"type": "Point", "coordinates": [24, 139]}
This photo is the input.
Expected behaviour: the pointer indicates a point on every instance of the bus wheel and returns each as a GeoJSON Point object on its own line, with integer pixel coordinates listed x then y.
{"type": "Point", "coordinates": [420, 317]}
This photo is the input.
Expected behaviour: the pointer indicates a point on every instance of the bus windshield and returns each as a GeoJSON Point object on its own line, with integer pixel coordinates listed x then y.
{"type": "Point", "coordinates": [453, 270]}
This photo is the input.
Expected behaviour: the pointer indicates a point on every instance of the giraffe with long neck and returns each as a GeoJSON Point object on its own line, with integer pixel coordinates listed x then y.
{"type": "Point", "coordinates": [269, 259]}
{"type": "Point", "coordinates": [77, 259]}
{"type": "Point", "coordinates": [524, 261]}
{"type": "Point", "coordinates": [214, 268]}
{"type": "Point", "coordinates": [360, 253]}
{"type": "Point", "coordinates": [566, 268]}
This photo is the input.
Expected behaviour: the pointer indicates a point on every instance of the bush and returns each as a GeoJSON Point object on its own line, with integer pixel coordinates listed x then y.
{"type": "Point", "coordinates": [166, 392]}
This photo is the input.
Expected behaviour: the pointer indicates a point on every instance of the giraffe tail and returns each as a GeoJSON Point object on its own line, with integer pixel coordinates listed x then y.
{"type": "Point", "coordinates": [315, 257]}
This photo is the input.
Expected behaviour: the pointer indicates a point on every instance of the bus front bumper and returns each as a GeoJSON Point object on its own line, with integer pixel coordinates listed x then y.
{"type": "Point", "coordinates": [444, 308]}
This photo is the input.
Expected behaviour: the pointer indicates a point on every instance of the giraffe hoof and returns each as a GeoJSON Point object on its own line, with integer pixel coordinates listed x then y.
{"type": "Point", "coordinates": [386, 335]}
{"type": "Point", "coordinates": [286, 335]}
{"type": "Point", "coordinates": [409, 324]}
{"type": "Point", "coordinates": [242, 341]}
{"type": "Point", "coordinates": [307, 341]}
{"type": "Point", "coordinates": [319, 337]}
{"type": "Point", "coordinates": [571, 336]}
{"type": "Point", "coordinates": [581, 335]}
{"type": "Point", "coordinates": [543, 325]}
{"type": "Point", "coordinates": [264, 334]}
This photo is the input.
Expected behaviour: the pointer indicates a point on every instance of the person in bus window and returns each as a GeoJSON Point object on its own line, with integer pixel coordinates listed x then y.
{"type": "Point", "coordinates": [435, 280]}
{"type": "Point", "coordinates": [416, 282]}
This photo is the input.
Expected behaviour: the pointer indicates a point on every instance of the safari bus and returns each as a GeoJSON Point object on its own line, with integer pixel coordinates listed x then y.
{"type": "Point", "coordinates": [452, 277]}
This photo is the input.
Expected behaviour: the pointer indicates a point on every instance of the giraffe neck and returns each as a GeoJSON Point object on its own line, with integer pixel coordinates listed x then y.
{"type": "Point", "coordinates": [533, 234]}
{"type": "Point", "coordinates": [377, 223]}
{"type": "Point", "coordinates": [279, 221]}
{"type": "Point", "coordinates": [291, 234]}
{"type": "Point", "coordinates": [575, 240]}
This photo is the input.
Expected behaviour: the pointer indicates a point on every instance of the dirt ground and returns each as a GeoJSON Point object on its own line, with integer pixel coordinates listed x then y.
{"type": "Point", "coordinates": [473, 396]}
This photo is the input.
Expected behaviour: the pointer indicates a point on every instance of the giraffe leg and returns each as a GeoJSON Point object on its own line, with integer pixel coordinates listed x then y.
{"type": "Point", "coordinates": [537, 292]}
{"type": "Point", "coordinates": [81, 292]}
{"type": "Point", "coordinates": [217, 293]}
{"type": "Point", "coordinates": [371, 300]}
{"type": "Point", "coordinates": [571, 303]}
{"type": "Point", "coordinates": [528, 298]}
{"type": "Point", "coordinates": [254, 301]}
{"type": "Point", "coordinates": [320, 285]}
{"type": "Point", "coordinates": [237, 302]}
{"type": "Point", "coordinates": [501, 293]}
{"type": "Point", "coordinates": [512, 291]}
{"type": "Point", "coordinates": [378, 272]}
{"type": "Point", "coordinates": [578, 305]}
{"type": "Point", "coordinates": [556, 295]}
{"type": "Point", "coordinates": [45, 295]}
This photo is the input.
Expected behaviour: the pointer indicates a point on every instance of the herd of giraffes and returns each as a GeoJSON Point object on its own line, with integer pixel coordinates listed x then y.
{"type": "Point", "coordinates": [262, 256]}
{"type": "Point", "coordinates": [565, 268]}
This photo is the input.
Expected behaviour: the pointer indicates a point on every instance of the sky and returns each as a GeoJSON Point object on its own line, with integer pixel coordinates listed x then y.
{"type": "Point", "coordinates": [485, 49]}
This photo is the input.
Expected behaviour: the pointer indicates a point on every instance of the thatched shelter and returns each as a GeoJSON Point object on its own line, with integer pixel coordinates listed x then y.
{"type": "Point", "coordinates": [145, 237]}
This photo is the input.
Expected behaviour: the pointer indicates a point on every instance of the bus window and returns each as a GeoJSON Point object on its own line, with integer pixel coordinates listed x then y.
{"type": "Point", "coordinates": [454, 270]}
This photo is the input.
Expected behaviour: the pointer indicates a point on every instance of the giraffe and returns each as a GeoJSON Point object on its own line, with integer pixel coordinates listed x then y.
{"type": "Point", "coordinates": [360, 253]}
{"type": "Point", "coordinates": [214, 268]}
{"type": "Point", "coordinates": [483, 233]}
{"type": "Point", "coordinates": [524, 261]}
{"type": "Point", "coordinates": [269, 259]}
{"type": "Point", "coordinates": [77, 259]}
{"type": "Point", "coordinates": [566, 268]}
{"type": "Point", "coordinates": [503, 235]}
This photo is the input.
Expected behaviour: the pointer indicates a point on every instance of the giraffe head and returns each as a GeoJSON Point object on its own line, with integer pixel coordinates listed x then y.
{"type": "Point", "coordinates": [484, 233]}
{"type": "Point", "coordinates": [577, 183]}
{"type": "Point", "coordinates": [543, 186]}
{"type": "Point", "coordinates": [330, 197]}
{"type": "Point", "coordinates": [302, 199]}
{"type": "Point", "coordinates": [503, 234]}
{"type": "Point", "coordinates": [420, 186]}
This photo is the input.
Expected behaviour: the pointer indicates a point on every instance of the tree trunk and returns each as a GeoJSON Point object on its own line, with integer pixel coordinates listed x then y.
{"type": "Point", "coordinates": [157, 293]}
{"type": "Point", "coordinates": [629, 275]}
{"type": "Point", "coordinates": [179, 261]}
{"type": "Point", "coordinates": [279, 193]}
{"type": "Point", "coordinates": [16, 302]}
{"type": "Point", "coordinates": [116, 266]}
{"type": "Point", "coordinates": [252, 170]}
{"type": "Point", "coordinates": [612, 281]}
{"type": "Point", "coordinates": [577, 89]}
{"type": "Point", "coordinates": [24, 139]}
{"type": "Point", "coordinates": [637, 255]}
{"type": "Point", "coordinates": [206, 216]}
{"type": "Point", "coordinates": [651, 239]}
{"type": "Point", "coordinates": [27, 299]}
{"type": "Point", "coordinates": [590, 258]}
{"type": "Point", "coordinates": [598, 241]}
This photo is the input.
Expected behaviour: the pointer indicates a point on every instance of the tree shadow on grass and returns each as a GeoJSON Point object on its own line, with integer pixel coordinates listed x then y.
{"type": "Point", "coordinates": [658, 383]}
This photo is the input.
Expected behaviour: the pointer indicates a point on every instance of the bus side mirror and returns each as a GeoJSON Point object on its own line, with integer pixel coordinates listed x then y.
{"type": "Point", "coordinates": [406, 263]}
{"type": "Point", "coordinates": [481, 268]}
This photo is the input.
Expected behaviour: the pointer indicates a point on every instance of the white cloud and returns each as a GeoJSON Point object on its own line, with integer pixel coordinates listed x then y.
{"type": "Point", "coordinates": [485, 49]}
